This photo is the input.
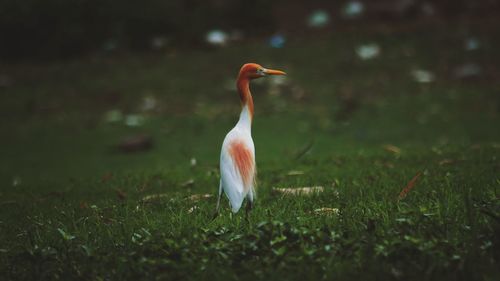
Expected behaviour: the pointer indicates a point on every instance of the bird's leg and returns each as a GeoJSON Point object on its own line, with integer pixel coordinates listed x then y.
{"type": "Point", "coordinates": [248, 208]}
{"type": "Point", "coordinates": [216, 214]}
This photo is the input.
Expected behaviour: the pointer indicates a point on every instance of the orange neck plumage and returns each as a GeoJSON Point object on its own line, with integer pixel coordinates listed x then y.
{"type": "Point", "coordinates": [243, 85]}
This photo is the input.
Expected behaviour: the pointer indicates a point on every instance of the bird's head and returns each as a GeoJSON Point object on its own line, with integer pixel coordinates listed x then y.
{"type": "Point", "coordinates": [254, 71]}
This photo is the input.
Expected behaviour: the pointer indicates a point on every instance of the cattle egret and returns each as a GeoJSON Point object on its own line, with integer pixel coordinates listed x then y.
{"type": "Point", "coordinates": [237, 158]}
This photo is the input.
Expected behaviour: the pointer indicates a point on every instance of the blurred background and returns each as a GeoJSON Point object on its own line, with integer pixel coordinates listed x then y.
{"type": "Point", "coordinates": [96, 86]}
{"type": "Point", "coordinates": [57, 29]}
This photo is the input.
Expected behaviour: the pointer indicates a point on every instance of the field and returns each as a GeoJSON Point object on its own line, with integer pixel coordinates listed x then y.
{"type": "Point", "coordinates": [78, 206]}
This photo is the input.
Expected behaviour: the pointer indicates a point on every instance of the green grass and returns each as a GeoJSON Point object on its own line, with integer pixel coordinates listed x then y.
{"type": "Point", "coordinates": [72, 205]}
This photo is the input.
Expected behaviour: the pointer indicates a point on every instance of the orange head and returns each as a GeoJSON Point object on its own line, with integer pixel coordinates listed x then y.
{"type": "Point", "coordinates": [248, 72]}
{"type": "Point", "coordinates": [252, 71]}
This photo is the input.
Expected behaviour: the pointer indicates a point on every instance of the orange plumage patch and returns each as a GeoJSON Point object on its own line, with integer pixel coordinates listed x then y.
{"type": "Point", "coordinates": [409, 186]}
{"type": "Point", "coordinates": [244, 161]}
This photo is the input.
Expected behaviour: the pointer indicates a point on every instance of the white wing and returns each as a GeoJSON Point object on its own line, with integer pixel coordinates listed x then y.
{"type": "Point", "coordinates": [232, 183]}
{"type": "Point", "coordinates": [231, 180]}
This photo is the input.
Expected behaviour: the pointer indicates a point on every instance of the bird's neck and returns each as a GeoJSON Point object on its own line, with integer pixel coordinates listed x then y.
{"type": "Point", "coordinates": [246, 116]}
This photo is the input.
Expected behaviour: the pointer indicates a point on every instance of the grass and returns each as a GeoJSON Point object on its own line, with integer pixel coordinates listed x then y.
{"type": "Point", "coordinates": [74, 207]}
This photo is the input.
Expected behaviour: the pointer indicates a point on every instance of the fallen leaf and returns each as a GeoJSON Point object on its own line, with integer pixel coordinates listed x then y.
{"type": "Point", "coordinates": [121, 194]}
{"type": "Point", "coordinates": [476, 146]}
{"type": "Point", "coordinates": [299, 190]}
{"type": "Point", "coordinates": [134, 120]}
{"type": "Point", "coordinates": [409, 186]}
{"type": "Point", "coordinates": [368, 51]}
{"type": "Point", "coordinates": [422, 76]}
{"type": "Point", "coordinates": [198, 197]}
{"type": "Point", "coordinates": [135, 143]}
{"type": "Point", "coordinates": [327, 211]}
{"type": "Point", "coordinates": [446, 162]}
{"type": "Point", "coordinates": [295, 173]}
{"type": "Point", "coordinates": [392, 148]}
{"type": "Point", "coordinates": [189, 182]}
{"type": "Point", "coordinates": [153, 197]}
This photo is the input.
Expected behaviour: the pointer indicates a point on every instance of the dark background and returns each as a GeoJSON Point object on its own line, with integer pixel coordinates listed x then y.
{"type": "Point", "coordinates": [35, 29]}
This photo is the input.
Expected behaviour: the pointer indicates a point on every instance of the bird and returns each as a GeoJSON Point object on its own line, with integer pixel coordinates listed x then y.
{"type": "Point", "coordinates": [237, 158]}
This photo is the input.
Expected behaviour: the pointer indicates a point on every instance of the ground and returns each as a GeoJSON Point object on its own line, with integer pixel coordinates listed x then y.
{"type": "Point", "coordinates": [77, 206]}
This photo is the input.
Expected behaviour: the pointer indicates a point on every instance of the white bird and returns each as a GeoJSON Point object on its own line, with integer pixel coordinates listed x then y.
{"type": "Point", "coordinates": [237, 158]}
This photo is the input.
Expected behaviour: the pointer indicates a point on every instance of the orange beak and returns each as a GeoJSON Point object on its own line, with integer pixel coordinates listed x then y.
{"type": "Point", "coordinates": [274, 72]}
